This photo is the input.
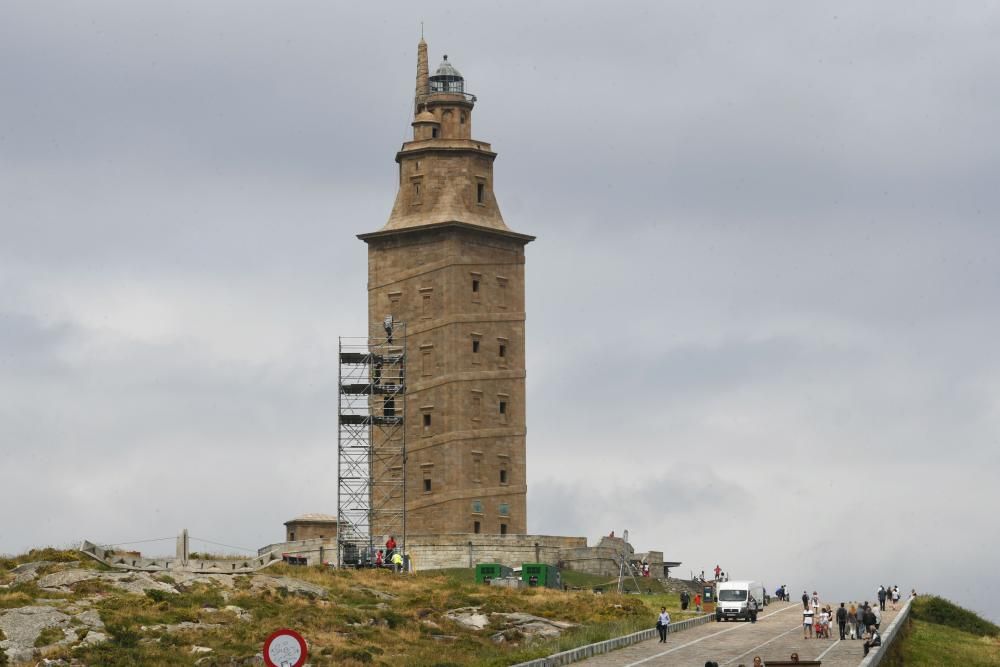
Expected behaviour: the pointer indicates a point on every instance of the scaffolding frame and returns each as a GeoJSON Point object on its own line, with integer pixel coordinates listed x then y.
{"type": "Point", "coordinates": [371, 444]}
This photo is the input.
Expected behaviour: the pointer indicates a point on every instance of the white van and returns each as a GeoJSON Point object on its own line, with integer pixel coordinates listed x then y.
{"type": "Point", "coordinates": [731, 599]}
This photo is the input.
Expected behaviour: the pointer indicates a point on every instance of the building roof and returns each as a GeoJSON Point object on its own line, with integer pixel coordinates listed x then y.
{"type": "Point", "coordinates": [447, 69]}
{"type": "Point", "coordinates": [313, 517]}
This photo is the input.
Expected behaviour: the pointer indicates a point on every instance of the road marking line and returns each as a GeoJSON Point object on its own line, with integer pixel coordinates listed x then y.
{"type": "Point", "coordinates": [820, 656]}
{"type": "Point", "coordinates": [696, 641]}
{"type": "Point", "coordinates": [760, 646]}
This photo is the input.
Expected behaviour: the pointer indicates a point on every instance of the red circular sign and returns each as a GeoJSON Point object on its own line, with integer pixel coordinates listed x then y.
{"type": "Point", "coordinates": [285, 648]}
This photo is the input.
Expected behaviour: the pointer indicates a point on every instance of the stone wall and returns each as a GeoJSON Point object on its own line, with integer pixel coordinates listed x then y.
{"type": "Point", "coordinates": [431, 552]}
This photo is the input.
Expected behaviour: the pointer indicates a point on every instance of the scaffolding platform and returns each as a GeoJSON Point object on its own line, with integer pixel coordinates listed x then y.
{"type": "Point", "coordinates": [371, 445]}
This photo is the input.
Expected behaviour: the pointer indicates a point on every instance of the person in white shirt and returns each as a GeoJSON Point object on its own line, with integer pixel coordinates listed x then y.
{"type": "Point", "coordinates": [662, 624]}
{"type": "Point", "coordinates": [807, 623]}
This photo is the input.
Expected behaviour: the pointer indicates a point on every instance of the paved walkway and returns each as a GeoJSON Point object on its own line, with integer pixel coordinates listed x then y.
{"type": "Point", "coordinates": [776, 634]}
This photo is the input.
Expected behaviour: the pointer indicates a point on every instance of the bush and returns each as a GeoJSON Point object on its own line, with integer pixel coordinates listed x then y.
{"type": "Point", "coordinates": [934, 609]}
{"type": "Point", "coordinates": [123, 636]}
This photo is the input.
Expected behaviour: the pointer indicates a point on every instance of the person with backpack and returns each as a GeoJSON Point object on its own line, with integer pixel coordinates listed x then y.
{"type": "Point", "coordinates": [805, 599]}
{"type": "Point", "coordinates": [842, 621]}
{"type": "Point", "coordinates": [881, 597]}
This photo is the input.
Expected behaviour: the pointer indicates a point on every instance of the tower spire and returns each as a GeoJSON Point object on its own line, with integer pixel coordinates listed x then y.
{"type": "Point", "coordinates": [422, 73]}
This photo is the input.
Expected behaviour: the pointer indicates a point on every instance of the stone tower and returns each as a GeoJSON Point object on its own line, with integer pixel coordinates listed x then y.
{"type": "Point", "coordinates": [448, 266]}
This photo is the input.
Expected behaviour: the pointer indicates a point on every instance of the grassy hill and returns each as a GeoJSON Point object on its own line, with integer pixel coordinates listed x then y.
{"type": "Point", "coordinates": [943, 633]}
{"type": "Point", "coordinates": [370, 617]}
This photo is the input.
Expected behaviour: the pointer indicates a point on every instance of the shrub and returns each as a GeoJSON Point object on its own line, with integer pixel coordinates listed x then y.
{"type": "Point", "coordinates": [123, 636]}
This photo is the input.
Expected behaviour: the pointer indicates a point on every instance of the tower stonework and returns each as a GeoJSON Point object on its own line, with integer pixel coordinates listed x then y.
{"type": "Point", "coordinates": [448, 266]}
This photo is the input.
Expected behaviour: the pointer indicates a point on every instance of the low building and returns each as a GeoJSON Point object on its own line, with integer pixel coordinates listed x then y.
{"type": "Point", "coordinates": [311, 526]}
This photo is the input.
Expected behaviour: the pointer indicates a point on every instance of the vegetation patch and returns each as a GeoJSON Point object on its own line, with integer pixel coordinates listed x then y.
{"type": "Point", "coordinates": [49, 636]}
{"type": "Point", "coordinates": [937, 610]}
{"type": "Point", "coordinates": [940, 632]}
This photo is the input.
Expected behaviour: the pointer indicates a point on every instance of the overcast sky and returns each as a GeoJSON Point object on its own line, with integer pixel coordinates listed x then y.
{"type": "Point", "coordinates": [762, 307]}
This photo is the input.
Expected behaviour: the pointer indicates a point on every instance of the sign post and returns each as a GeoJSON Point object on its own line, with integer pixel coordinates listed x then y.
{"type": "Point", "coordinates": [285, 648]}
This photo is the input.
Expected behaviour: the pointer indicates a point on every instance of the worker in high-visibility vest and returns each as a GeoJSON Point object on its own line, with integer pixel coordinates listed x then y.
{"type": "Point", "coordinates": [397, 561]}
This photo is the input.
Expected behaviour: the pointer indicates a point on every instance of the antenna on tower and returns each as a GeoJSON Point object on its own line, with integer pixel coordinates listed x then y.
{"type": "Point", "coordinates": [421, 30]}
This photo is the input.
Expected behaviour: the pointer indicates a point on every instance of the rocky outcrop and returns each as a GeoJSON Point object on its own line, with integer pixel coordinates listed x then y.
{"type": "Point", "coordinates": [515, 626]}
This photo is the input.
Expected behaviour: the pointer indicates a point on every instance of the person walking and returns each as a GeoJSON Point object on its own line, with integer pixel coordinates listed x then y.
{"type": "Point", "coordinates": [881, 597]}
{"type": "Point", "coordinates": [752, 609]}
{"type": "Point", "coordinates": [842, 621]}
{"type": "Point", "coordinates": [859, 625]}
{"type": "Point", "coordinates": [869, 619]}
{"type": "Point", "coordinates": [878, 617]}
{"type": "Point", "coordinates": [685, 599]}
{"type": "Point", "coordinates": [852, 618]}
{"type": "Point", "coordinates": [807, 622]}
{"type": "Point", "coordinates": [895, 597]}
{"type": "Point", "coordinates": [662, 624]}
{"type": "Point", "coordinates": [805, 599]}
{"type": "Point", "coordinates": [697, 602]}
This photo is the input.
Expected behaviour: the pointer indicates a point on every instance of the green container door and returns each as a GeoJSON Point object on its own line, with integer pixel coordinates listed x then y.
{"type": "Point", "coordinates": [541, 574]}
{"type": "Point", "coordinates": [487, 572]}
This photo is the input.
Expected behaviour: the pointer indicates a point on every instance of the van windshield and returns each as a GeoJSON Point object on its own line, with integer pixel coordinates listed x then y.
{"type": "Point", "coordinates": [730, 595]}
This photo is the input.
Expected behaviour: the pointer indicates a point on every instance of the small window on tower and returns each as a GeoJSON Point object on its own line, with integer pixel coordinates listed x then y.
{"type": "Point", "coordinates": [427, 421]}
{"type": "Point", "coordinates": [427, 485]}
{"type": "Point", "coordinates": [503, 529]}
{"type": "Point", "coordinates": [475, 527]}
{"type": "Point", "coordinates": [480, 193]}
{"type": "Point", "coordinates": [503, 407]}
{"type": "Point", "coordinates": [462, 118]}
{"type": "Point", "coordinates": [503, 475]}
{"type": "Point", "coordinates": [434, 133]}
{"type": "Point", "coordinates": [475, 346]}
{"type": "Point", "coordinates": [503, 350]}
{"type": "Point", "coordinates": [475, 285]}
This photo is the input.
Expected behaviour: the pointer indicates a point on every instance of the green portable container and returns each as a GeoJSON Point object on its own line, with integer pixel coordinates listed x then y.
{"type": "Point", "coordinates": [540, 574]}
{"type": "Point", "coordinates": [487, 572]}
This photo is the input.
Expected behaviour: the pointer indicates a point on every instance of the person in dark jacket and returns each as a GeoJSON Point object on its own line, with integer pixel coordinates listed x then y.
{"type": "Point", "coordinates": [842, 621]}
{"type": "Point", "coordinates": [869, 619]}
{"type": "Point", "coordinates": [875, 640]}
{"type": "Point", "coordinates": [805, 600]}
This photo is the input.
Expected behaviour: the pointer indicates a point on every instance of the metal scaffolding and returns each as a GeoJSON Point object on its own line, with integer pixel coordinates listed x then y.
{"type": "Point", "coordinates": [371, 445]}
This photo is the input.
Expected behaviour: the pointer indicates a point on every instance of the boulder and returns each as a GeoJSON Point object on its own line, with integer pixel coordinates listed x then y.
{"type": "Point", "coordinates": [294, 586]}
{"type": "Point", "coordinates": [23, 625]}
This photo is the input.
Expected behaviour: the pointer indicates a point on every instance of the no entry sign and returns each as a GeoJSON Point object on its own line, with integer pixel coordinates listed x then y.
{"type": "Point", "coordinates": [285, 648]}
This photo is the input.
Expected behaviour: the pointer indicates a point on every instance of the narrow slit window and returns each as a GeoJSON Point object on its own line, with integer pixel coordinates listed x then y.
{"type": "Point", "coordinates": [480, 193]}
{"type": "Point", "coordinates": [503, 529]}
{"type": "Point", "coordinates": [475, 285]}
{"type": "Point", "coordinates": [503, 476]}
{"type": "Point", "coordinates": [503, 407]}
{"type": "Point", "coordinates": [475, 527]}
{"type": "Point", "coordinates": [475, 346]}
{"type": "Point", "coordinates": [434, 133]}
{"type": "Point", "coordinates": [427, 485]}
{"type": "Point", "coordinates": [427, 421]}
{"type": "Point", "coordinates": [503, 350]}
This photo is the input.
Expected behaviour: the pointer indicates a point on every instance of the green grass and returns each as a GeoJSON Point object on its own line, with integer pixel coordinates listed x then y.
{"type": "Point", "coordinates": [937, 610]}
{"type": "Point", "coordinates": [943, 633]}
